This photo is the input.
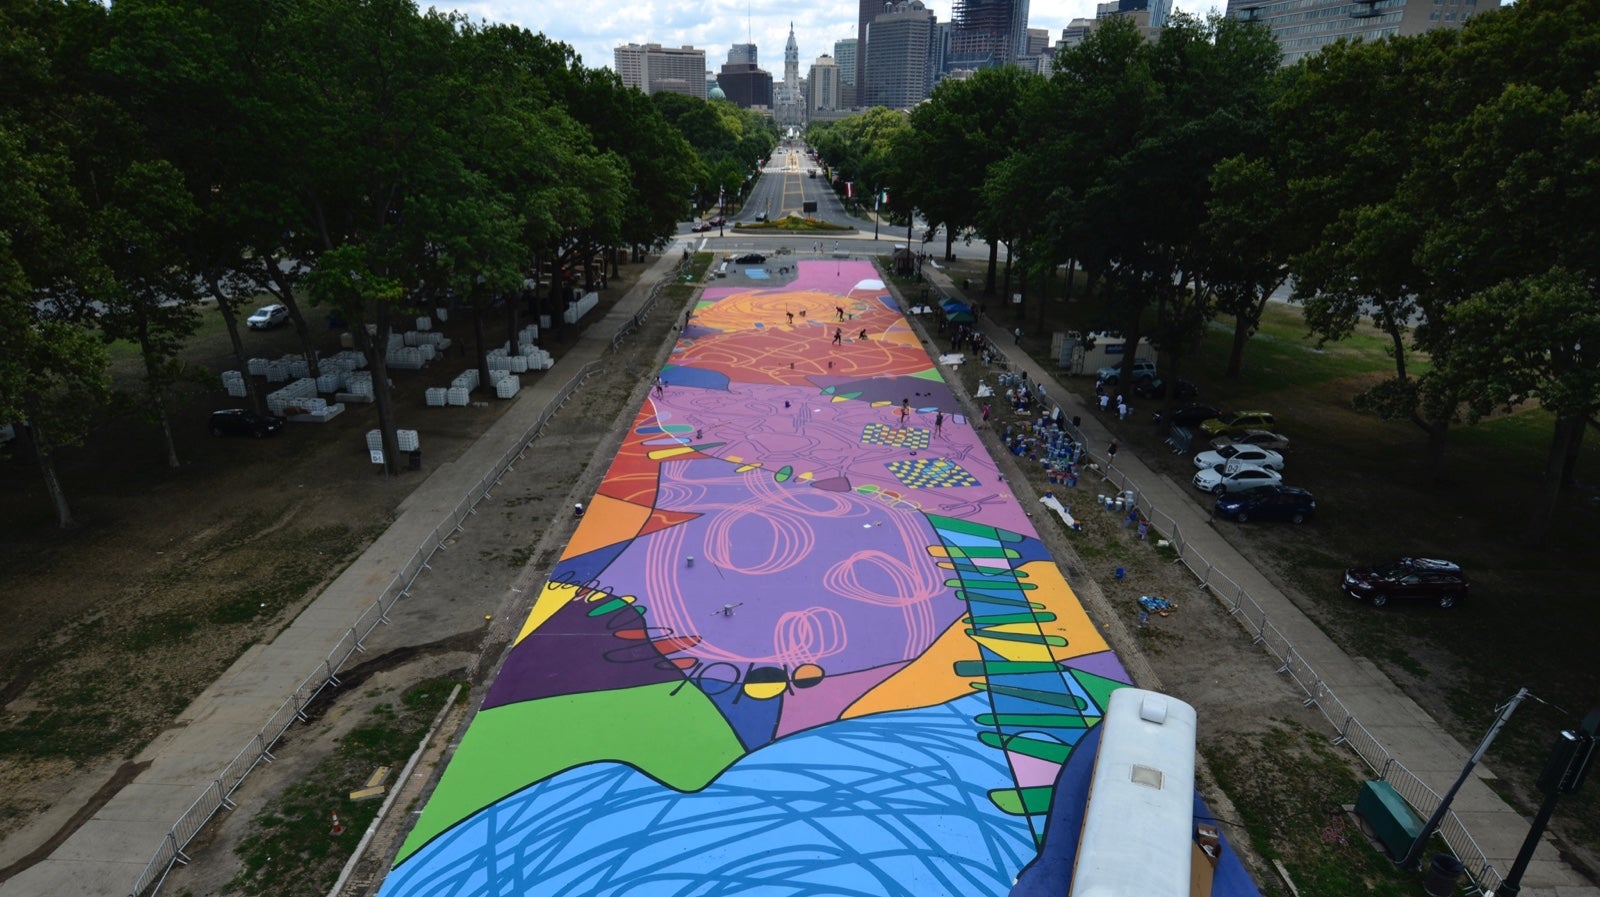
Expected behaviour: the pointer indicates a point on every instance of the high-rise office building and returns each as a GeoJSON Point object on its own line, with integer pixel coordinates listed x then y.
{"type": "Point", "coordinates": [899, 44]}
{"type": "Point", "coordinates": [822, 85]}
{"type": "Point", "coordinates": [746, 85]}
{"type": "Point", "coordinates": [1303, 27]}
{"type": "Point", "coordinates": [655, 69]}
{"type": "Point", "coordinates": [844, 56]}
{"type": "Point", "coordinates": [742, 54]}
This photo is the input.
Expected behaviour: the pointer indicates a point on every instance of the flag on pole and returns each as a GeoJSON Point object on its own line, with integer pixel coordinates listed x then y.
{"type": "Point", "coordinates": [885, 197]}
{"type": "Point", "coordinates": [849, 189]}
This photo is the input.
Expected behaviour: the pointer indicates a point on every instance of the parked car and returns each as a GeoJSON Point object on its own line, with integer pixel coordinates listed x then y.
{"type": "Point", "coordinates": [1238, 422]}
{"type": "Point", "coordinates": [1263, 438]}
{"type": "Point", "coordinates": [1143, 369]}
{"type": "Point", "coordinates": [1156, 388]}
{"type": "Point", "coordinates": [1268, 503]}
{"type": "Point", "coordinates": [268, 316]}
{"type": "Point", "coordinates": [1192, 415]}
{"type": "Point", "coordinates": [1225, 478]}
{"type": "Point", "coordinates": [1440, 582]}
{"type": "Point", "coordinates": [243, 422]}
{"type": "Point", "coordinates": [750, 258]}
{"type": "Point", "coordinates": [718, 221]}
{"type": "Point", "coordinates": [1244, 454]}
{"type": "Point", "coordinates": [701, 227]}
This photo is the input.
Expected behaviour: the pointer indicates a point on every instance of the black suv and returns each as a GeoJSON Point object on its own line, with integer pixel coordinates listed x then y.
{"type": "Point", "coordinates": [1441, 582]}
{"type": "Point", "coordinates": [242, 422]}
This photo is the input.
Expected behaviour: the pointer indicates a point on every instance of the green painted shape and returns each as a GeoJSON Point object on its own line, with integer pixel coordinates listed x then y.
{"type": "Point", "coordinates": [1005, 619]}
{"type": "Point", "coordinates": [928, 374]}
{"type": "Point", "coordinates": [850, 395]}
{"type": "Point", "coordinates": [612, 606]}
{"type": "Point", "coordinates": [978, 669]}
{"type": "Point", "coordinates": [867, 489]}
{"type": "Point", "coordinates": [973, 595]}
{"type": "Point", "coordinates": [1098, 687]}
{"type": "Point", "coordinates": [827, 390]}
{"type": "Point", "coordinates": [680, 740]}
{"type": "Point", "coordinates": [981, 551]}
{"type": "Point", "coordinates": [783, 474]}
{"type": "Point", "coordinates": [1054, 698]}
{"type": "Point", "coordinates": [1031, 638]}
{"type": "Point", "coordinates": [984, 574]}
{"type": "Point", "coordinates": [1003, 584]}
{"type": "Point", "coordinates": [1048, 751]}
{"type": "Point", "coordinates": [1023, 801]}
{"type": "Point", "coordinates": [1031, 720]}
{"type": "Point", "coordinates": [957, 525]}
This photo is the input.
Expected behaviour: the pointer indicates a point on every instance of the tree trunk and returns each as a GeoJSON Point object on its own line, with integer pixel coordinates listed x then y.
{"type": "Point", "coordinates": [374, 346]}
{"type": "Point", "coordinates": [994, 261]}
{"type": "Point", "coordinates": [284, 292]}
{"type": "Point", "coordinates": [1005, 291]}
{"type": "Point", "coordinates": [44, 454]}
{"type": "Point", "coordinates": [252, 395]}
{"type": "Point", "coordinates": [1574, 447]}
{"type": "Point", "coordinates": [1066, 294]}
{"type": "Point", "coordinates": [153, 394]}
{"type": "Point", "coordinates": [949, 244]}
{"type": "Point", "coordinates": [1241, 335]}
{"type": "Point", "coordinates": [481, 341]}
{"type": "Point", "coordinates": [1549, 493]}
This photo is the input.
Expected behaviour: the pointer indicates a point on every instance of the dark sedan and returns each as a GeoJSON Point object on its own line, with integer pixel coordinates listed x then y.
{"type": "Point", "coordinates": [242, 422]}
{"type": "Point", "coordinates": [1435, 581]}
{"type": "Point", "coordinates": [1192, 415]}
{"type": "Point", "coordinates": [1267, 503]}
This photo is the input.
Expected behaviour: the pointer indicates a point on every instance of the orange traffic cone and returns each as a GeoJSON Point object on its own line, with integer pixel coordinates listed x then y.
{"type": "Point", "coordinates": [338, 827]}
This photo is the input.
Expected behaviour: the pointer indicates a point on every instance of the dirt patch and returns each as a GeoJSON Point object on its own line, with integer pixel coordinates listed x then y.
{"type": "Point", "coordinates": [113, 627]}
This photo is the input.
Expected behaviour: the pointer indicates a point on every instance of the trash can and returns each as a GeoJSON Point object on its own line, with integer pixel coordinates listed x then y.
{"type": "Point", "coordinates": [416, 459]}
{"type": "Point", "coordinates": [1443, 873]}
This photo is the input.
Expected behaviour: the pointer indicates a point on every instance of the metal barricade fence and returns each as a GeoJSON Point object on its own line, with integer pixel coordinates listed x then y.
{"type": "Point", "coordinates": [215, 795]}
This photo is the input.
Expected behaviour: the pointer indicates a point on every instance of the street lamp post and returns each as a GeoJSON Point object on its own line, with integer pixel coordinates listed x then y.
{"type": "Point", "coordinates": [722, 210]}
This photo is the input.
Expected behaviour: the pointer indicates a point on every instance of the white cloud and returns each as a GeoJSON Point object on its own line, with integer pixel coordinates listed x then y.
{"type": "Point", "coordinates": [716, 25]}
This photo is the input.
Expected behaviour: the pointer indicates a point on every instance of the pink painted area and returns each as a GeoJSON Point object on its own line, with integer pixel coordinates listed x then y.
{"type": "Point", "coordinates": [1031, 771]}
{"type": "Point", "coordinates": [825, 701]}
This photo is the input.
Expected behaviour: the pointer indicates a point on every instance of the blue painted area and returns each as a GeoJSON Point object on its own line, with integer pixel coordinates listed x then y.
{"type": "Point", "coordinates": [755, 273]}
{"type": "Point", "coordinates": [893, 805]}
{"type": "Point", "coordinates": [677, 375]}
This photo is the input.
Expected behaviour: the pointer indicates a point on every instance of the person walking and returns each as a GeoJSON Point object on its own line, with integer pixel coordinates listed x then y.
{"type": "Point", "coordinates": [791, 317]}
{"type": "Point", "coordinates": [1017, 336]}
{"type": "Point", "coordinates": [838, 336]}
{"type": "Point", "coordinates": [661, 387]}
{"type": "Point", "coordinates": [863, 336]}
{"type": "Point", "coordinates": [938, 423]}
{"type": "Point", "coordinates": [985, 412]}
{"type": "Point", "coordinates": [904, 412]}
{"type": "Point", "coordinates": [1111, 452]}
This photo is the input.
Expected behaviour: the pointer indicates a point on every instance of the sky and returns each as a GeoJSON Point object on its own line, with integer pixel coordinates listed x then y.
{"type": "Point", "coordinates": [716, 25]}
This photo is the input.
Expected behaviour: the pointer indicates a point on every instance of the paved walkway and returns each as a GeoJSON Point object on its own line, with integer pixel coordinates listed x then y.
{"type": "Point", "coordinates": [1398, 723]}
{"type": "Point", "coordinates": [106, 855]}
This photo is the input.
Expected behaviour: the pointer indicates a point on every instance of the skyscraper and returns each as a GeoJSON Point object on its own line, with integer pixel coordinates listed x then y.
{"type": "Point", "coordinates": [988, 32]}
{"type": "Point", "coordinates": [822, 86]}
{"type": "Point", "coordinates": [898, 49]}
{"type": "Point", "coordinates": [742, 54]}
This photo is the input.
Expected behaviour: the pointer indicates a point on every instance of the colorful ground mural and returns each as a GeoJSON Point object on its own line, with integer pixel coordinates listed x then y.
{"type": "Point", "coordinates": [805, 641]}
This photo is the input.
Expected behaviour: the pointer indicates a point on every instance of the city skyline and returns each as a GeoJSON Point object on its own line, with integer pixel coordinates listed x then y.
{"type": "Point", "coordinates": [594, 33]}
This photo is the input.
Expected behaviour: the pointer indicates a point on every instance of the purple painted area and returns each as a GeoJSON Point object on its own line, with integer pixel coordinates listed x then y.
{"type": "Point", "coordinates": [820, 577]}
{"type": "Point", "coordinates": [824, 702]}
{"type": "Point", "coordinates": [575, 653]}
{"type": "Point", "coordinates": [1103, 664]}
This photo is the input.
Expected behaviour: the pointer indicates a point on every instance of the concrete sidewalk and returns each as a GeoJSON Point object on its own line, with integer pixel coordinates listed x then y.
{"type": "Point", "coordinates": [109, 851]}
{"type": "Point", "coordinates": [1400, 725]}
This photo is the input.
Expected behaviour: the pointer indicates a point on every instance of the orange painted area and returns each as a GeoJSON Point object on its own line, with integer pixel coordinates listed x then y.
{"type": "Point", "coordinates": [1071, 622]}
{"type": "Point", "coordinates": [607, 522]}
{"type": "Point", "coordinates": [928, 679]}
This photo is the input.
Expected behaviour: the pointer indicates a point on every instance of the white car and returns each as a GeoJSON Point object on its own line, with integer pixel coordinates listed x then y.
{"type": "Point", "coordinates": [268, 316]}
{"type": "Point", "coordinates": [1244, 454]}
{"type": "Point", "coordinates": [1235, 478]}
{"type": "Point", "coordinates": [1263, 438]}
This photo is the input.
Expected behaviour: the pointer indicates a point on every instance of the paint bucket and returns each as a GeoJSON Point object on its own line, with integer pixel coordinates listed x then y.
{"type": "Point", "coordinates": [690, 561]}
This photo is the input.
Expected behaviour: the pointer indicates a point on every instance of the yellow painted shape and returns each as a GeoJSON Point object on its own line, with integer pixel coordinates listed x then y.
{"type": "Point", "coordinates": [733, 458]}
{"type": "Point", "coordinates": [807, 475]}
{"type": "Point", "coordinates": [1071, 622]}
{"type": "Point", "coordinates": [838, 399]}
{"type": "Point", "coordinates": [881, 404]}
{"type": "Point", "coordinates": [664, 454]}
{"type": "Point", "coordinates": [748, 467]}
{"type": "Point", "coordinates": [551, 599]}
